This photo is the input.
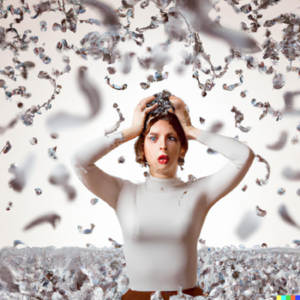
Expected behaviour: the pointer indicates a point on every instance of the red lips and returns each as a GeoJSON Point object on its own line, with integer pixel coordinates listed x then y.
{"type": "Point", "coordinates": [163, 159]}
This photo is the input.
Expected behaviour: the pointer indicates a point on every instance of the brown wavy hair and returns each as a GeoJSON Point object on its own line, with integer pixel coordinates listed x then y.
{"type": "Point", "coordinates": [175, 123]}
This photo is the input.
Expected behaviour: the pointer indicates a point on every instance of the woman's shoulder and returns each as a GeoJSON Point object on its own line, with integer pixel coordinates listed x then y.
{"type": "Point", "coordinates": [133, 183]}
{"type": "Point", "coordinates": [193, 182]}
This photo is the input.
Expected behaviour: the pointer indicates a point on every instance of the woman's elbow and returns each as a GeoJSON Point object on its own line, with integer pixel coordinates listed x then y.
{"type": "Point", "coordinates": [248, 160]}
{"type": "Point", "coordinates": [79, 166]}
{"type": "Point", "coordinates": [251, 158]}
{"type": "Point", "coordinates": [252, 155]}
{"type": "Point", "coordinates": [76, 162]}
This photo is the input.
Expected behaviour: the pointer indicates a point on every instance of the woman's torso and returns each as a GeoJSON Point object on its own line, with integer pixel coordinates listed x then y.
{"type": "Point", "coordinates": [161, 225]}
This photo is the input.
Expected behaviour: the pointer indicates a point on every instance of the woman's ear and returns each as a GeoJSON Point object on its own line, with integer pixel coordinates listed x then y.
{"type": "Point", "coordinates": [182, 152]}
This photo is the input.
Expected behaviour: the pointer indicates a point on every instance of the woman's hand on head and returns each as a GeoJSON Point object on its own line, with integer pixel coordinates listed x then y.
{"type": "Point", "coordinates": [140, 113]}
{"type": "Point", "coordinates": [182, 113]}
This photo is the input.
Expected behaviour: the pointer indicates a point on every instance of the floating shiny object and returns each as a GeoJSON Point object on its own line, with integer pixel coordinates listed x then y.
{"type": "Point", "coordinates": [70, 191]}
{"type": "Point", "coordinates": [260, 212]}
{"type": "Point", "coordinates": [33, 141]}
{"type": "Point", "coordinates": [290, 174]}
{"type": "Point", "coordinates": [281, 191]}
{"type": "Point", "coordinates": [62, 120]}
{"type": "Point", "coordinates": [22, 173]}
{"type": "Point", "coordinates": [59, 175]}
{"type": "Point", "coordinates": [38, 191]}
{"type": "Point", "coordinates": [111, 70]}
{"type": "Point", "coordinates": [52, 152]}
{"type": "Point", "coordinates": [114, 243]}
{"type": "Point", "coordinates": [54, 135]}
{"type": "Point", "coordinates": [286, 216]}
{"type": "Point", "coordinates": [191, 178]}
{"type": "Point", "coordinates": [126, 62]}
{"type": "Point", "coordinates": [261, 181]}
{"type": "Point", "coordinates": [6, 148]}
{"type": "Point", "coordinates": [10, 205]}
{"type": "Point", "coordinates": [114, 86]}
{"type": "Point", "coordinates": [91, 21]}
{"type": "Point", "coordinates": [158, 76]}
{"type": "Point", "coordinates": [239, 117]}
{"type": "Point", "coordinates": [52, 219]}
{"type": "Point", "coordinates": [211, 151]}
{"type": "Point", "coordinates": [244, 94]}
{"type": "Point", "coordinates": [8, 72]}
{"type": "Point", "coordinates": [43, 25]}
{"type": "Point", "coordinates": [267, 109]}
{"type": "Point", "coordinates": [144, 85]}
{"type": "Point", "coordinates": [121, 159]}
{"type": "Point", "coordinates": [86, 231]}
{"type": "Point", "coordinates": [40, 52]}
{"type": "Point", "coordinates": [280, 143]}
{"type": "Point", "coordinates": [245, 188]}
{"type": "Point", "coordinates": [278, 81]}
{"type": "Point", "coordinates": [18, 242]}
{"type": "Point", "coordinates": [94, 201]}
{"type": "Point", "coordinates": [246, 8]}
{"type": "Point", "coordinates": [201, 241]}
{"type": "Point", "coordinates": [233, 86]}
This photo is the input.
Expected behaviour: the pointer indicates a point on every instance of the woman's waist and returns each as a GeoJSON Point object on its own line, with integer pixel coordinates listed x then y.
{"type": "Point", "coordinates": [194, 292]}
{"type": "Point", "coordinates": [165, 290]}
{"type": "Point", "coordinates": [168, 283]}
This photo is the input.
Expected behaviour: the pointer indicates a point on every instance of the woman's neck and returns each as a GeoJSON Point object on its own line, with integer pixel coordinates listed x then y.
{"type": "Point", "coordinates": [163, 176]}
{"type": "Point", "coordinates": [163, 184]}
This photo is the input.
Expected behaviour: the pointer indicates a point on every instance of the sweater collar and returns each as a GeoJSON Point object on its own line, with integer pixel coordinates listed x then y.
{"type": "Point", "coordinates": [162, 184]}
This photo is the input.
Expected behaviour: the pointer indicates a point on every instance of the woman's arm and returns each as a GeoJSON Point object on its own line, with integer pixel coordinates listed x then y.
{"type": "Point", "coordinates": [103, 185]}
{"type": "Point", "coordinates": [225, 180]}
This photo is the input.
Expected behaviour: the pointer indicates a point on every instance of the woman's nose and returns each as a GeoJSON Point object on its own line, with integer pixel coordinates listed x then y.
{"type": "Point", "coordinates": [163, 147]}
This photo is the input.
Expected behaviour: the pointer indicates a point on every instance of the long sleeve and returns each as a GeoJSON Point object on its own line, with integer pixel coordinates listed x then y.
{"type": "Point", "coordinates": [101, 184]}
{"type": "Point", "coordinates": [225, 180]}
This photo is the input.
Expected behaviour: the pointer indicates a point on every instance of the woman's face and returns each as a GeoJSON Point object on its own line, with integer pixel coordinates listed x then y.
{"type": "Point", "coordinates": [162, 149]}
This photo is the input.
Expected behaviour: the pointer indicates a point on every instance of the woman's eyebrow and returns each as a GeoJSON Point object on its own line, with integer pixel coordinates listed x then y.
{"type": "Point", "coordinates": [154, 133]}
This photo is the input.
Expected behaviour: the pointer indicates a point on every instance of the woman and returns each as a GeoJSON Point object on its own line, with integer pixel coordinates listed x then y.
{"type": "Point", "coordinates": [161, 218]}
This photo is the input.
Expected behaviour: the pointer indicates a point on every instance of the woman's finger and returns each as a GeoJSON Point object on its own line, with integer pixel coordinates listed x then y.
{"type": "Point", "coordinates": [148, 109]}
{"type": "Point", "coordinates": [146, 100]}
{"type": "Point", "coordinates": [175, 100]}
{"type": "Point", "coordinates": [171, 111]}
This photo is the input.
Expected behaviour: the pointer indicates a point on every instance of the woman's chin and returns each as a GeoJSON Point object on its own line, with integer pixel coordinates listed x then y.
{"type": "Point", "coordinates": [163, 166]}
{"type": "Point", "coordinates": [166, 168]}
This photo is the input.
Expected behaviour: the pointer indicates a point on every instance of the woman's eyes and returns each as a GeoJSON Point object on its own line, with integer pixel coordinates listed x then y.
{"type": "Point", "coordinates": [170, 137]}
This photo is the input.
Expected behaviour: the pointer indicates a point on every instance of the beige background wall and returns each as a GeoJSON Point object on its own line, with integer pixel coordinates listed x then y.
{"type": "Point", "coordinates": [223, 219]}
